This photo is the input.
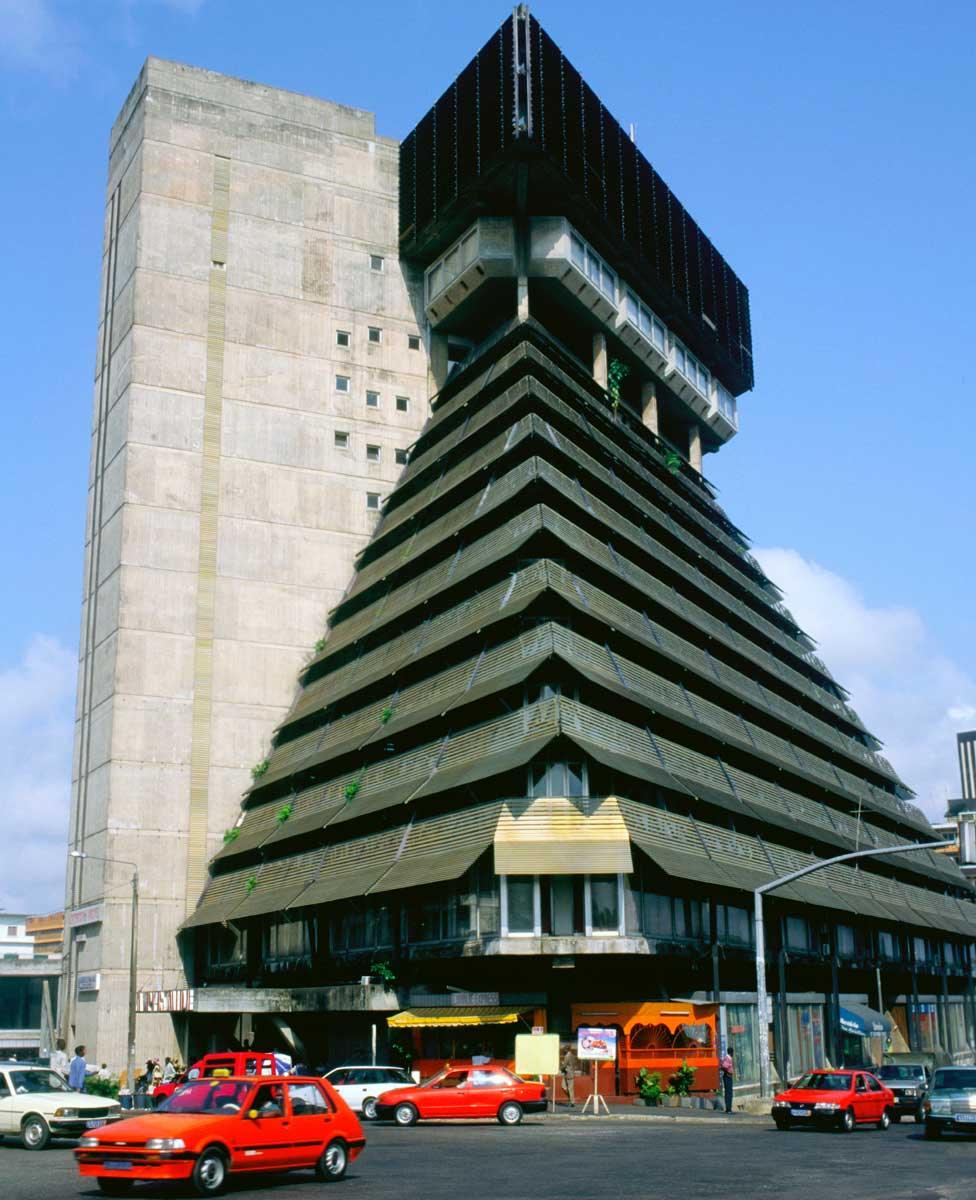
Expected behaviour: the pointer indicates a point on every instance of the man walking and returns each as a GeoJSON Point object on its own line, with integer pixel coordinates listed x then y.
{"type": "Point", "coordinates": [568, 1068]}
{"type": "Point", "coordinates": [77, 1070]}
{"type": "Point", "coordinates": [727, 1067]}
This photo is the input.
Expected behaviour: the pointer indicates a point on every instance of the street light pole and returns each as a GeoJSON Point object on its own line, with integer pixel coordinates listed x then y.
{"type": "Point", "coordinates": [133, 957]}
{"type": "Point", "coordinates": [762, 1003]}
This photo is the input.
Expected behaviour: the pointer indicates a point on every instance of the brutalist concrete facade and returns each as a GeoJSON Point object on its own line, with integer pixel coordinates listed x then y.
{"type": "Point", "coordinates": [260, 362]}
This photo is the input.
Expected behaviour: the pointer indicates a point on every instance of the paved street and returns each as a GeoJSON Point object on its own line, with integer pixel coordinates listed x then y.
{"type": "Point", "coordinates": [588, 1160]}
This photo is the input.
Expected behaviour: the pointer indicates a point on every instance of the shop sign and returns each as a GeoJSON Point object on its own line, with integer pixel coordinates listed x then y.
{"type": "Point", "coordinates": [90, 915]}
{"type": "Point", "coordinates": [172, 1001]}
{"type": "Point", "coordinates": [596, 1045]}
{"type": "Point", "coordinates": [89, 981]}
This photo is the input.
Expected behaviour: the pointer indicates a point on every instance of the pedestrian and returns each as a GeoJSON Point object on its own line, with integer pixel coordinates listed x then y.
{"type": "Point", "coordinates": [103, 1074]}
{"type": "Point", "coordinates": [727, 1067]}
{"type": "Point", "coordinates": [77, 1070]}
{"type": "Point", "coordinates": [169, 1070]}
{"type": "Point", "coordinates": [59, 1059]}
{"type": "Point", "coordinates": [569, 1068]}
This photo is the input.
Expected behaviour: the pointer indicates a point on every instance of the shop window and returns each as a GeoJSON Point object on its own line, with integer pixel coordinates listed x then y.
{"type": "Point", "coordinates": [806, 1026]}
{"type": "Point", "coordinates": [741, 1036]}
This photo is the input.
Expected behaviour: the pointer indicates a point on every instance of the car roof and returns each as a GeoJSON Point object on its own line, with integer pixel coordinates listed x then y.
{"type": "Point", "coordinates": [365, 1067]}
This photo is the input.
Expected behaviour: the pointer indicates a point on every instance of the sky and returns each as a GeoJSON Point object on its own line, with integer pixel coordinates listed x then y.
{"type": "Point", "coordinates": [826, 149]}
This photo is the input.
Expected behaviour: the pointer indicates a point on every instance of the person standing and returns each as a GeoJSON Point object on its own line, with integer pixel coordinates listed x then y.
{"type": "Point", "coordinates": [727, 1067]}
{"type": "Point", "coordinates": [169, 1070]}
{"type": "Point", "coordinates": [103, 1074]}
{"type": "Point", "coordinates": [569, 1068]}
{"type": "Point", "coordinates": [59, 1059]}
{"type": "Point", "coordinates": [77, 1070]}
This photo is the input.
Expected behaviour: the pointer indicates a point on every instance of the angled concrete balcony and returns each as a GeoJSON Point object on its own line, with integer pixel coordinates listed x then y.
{"type": "Point", "coordinates": [689, 379]}
{"type": "Point", "coordinates": [558, 252]}
{"type": "Point", "coordinates": [724, 414]}
{"type": "Point", "coordinates": [644, 333]}
{"type": "Point", "coordinates": [484, 251]}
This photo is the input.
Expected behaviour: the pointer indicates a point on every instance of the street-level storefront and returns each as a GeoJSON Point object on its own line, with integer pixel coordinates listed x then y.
{"type": "Point", "coordinates": [431, 1037]}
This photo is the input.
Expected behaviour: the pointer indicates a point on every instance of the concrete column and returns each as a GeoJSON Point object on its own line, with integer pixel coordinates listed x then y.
{"type": "Point", "coordinates": [649, 405]}
{"type": "Point", "coordinates": [523, 297]}
{"type": "Point", "coordinates": [694, 448]}
{"type": "Point", "coordinates": [438, 361]}
{"type": "Point", "coordinates": [600, 359]}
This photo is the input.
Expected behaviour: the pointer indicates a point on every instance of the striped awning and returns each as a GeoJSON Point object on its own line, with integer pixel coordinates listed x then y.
{"type": "Point", "coordinates": [425, 1018]}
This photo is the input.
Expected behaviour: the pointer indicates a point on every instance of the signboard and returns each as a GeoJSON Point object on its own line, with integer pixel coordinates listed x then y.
{"type": "Point", "coordinates": [174, 1000]}
{"type": "Point", "coordinates": [91, 915]}
{"type": "Point", "coordinates": [537, 1054]}
{"type": "Point", "coordinates": [596, 1045]}
{"type": "Point", "coordinates": [89, 981]}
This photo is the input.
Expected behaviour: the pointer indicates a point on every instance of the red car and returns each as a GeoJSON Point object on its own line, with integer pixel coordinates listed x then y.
{"type": "Point", "coordinates": [482, 1091]}
{"type": "Point", "coordinates": [227, 1062]}
{"type": "Point", "coordinates": [212, 1128]}
{"type": "Point", "coordinates": [839, 1099]}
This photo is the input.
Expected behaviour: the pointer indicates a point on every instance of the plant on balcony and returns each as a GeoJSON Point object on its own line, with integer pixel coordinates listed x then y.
{"type": "Point", "coordinates": [616, 374]}
{"type": "Point", "coordinates": [252, 883]}
{"type": "Point", "coordinates": [682, 1081]}
{"type": "Point", "coordinates": [231, 835]}
{"type": "Point", "coordinates": [351, 788]}
{"type": "Point", "coordinates": [385, 715]}
{"type": "Point", "coordinates": [320, 645]}
{"type": "Point", "coordinates": [673, 462]}
{"type": "Point", "coordinates": [260, 769]}
{"type": "Point", "coordinates": [648, 1085]}
{"type": "Point", "coordinates": [284, 812]}
{"type": "Point", "coordinates": [383, 971]}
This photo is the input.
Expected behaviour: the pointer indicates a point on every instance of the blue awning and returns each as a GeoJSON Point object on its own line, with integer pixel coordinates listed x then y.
{"type": "Point", "coordinates": [862, 1021]}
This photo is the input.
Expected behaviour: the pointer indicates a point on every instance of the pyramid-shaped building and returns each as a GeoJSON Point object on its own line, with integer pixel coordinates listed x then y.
{"type": "Point", "coordinates": [561, 725]}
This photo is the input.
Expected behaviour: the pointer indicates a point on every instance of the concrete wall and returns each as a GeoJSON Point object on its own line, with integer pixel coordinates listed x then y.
{"type": "Point", "coordinates": [223, 520]}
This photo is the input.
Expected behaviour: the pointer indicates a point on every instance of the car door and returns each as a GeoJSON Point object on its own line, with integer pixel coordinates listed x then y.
{"type": "Point", "coordinates": [263, 1134]}
{"type": "Point", "coordinates": [309, 1121]}
{"type": "Point", "coordinates": [447, 1097]}
{"type": "Point", "coordinates": [863, 1104]}
{"type": "Point", "coordinates": [877, 1096]}
{"type": "Point", "coordinates": [7, 1122]}
{"type": "Point", "coordinates": [488, 1088]}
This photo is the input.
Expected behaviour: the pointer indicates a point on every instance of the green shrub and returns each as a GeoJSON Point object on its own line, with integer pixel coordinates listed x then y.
{"type": "Point", "coordinates": [682, 1081]}
{"type": "Point", "coordinates": [320, 645]}
{"type": "Point", "coordinates": [251, 884]}
{"type": "Point", "coordinates": [285, 812]}
{"type": "Point", "coordinates": [649, 1085]}
{"type": "Point", "coordinates": [260, 769]}
{"type": "Point", "coordinates": [102, 1087]}
{"type": "Point", "coordinates": [231, 835]}
{"type": "Point", "coordinates": [673, 462]}
{"type": "Point", "coordinates": [351, 788]}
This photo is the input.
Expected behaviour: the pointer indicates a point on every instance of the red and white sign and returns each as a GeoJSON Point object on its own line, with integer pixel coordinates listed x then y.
{"type": "Point", "coordinates": [91, 915]}
{"type": "Point", "coordinates": [174, 1000]}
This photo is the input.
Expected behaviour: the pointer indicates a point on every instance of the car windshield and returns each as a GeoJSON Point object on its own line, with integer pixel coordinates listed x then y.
{"type": "Point", "coordinates": [900, 1072]}
{"type": "Point", "coordinates": [26, 1082]}
{"type": "Point", "coordinates": [221, 1097]}
{"type": "Point", "coordinates": [820, 1081]}
{"type": "Point", "coordinates": [957, 1079]}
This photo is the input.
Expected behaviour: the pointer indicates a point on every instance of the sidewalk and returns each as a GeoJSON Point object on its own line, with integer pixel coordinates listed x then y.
{"type": "Point", "coordinates": [641, 1112]}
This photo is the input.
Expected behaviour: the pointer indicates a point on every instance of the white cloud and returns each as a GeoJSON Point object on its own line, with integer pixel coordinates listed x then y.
{"type": "Point", "coordinates": [39, 37]}
{"type": "Point", "coordinates": [906, 689]}
{"type": "Point", "coordinates": [36, 729]}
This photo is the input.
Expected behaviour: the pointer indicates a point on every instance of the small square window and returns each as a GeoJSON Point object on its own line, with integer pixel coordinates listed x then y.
{"type": "Point", "coordinates": [372, 454]}
{"type": "Point", "coordinates": [341, 440]}
{"type": "Point", "coordinates": [372, 399]}
{"type": "Point", "coordinates": [342, 337]}
{"type": "Point", "coordinates": [413, 341]}
{"type": "Point", "coordinates": [342, 383]}
{"type": "Point", "coordinates": [402, 403]}
{"type": "Point", "coordinates": [373, 500]}
{"type": "Point", "coordinates": [376, 262]}
{"type": "Point", "coordinates": [400, 455]}
{"type": "Point", "coordinates": [375, 334]}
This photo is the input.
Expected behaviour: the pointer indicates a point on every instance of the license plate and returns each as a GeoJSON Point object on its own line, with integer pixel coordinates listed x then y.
{"type": "Point", "coordinates": [117, 1164]}
{"type": "Point", "coordinates": [96, 1124]}
{"type": "Point", "coordinates": [799, 1112]}
{"type": "Point", "coordinates": [966, 1118]}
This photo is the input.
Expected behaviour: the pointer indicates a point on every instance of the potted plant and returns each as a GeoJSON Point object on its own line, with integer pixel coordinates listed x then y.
{"type": "Point", "coordinates": [682, 1082]}
{"type": "Point", "coordinates": [649, 1086]}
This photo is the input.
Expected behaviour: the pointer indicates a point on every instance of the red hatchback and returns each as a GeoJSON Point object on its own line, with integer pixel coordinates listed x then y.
{"type": "Point", "coordinates": [839, 1099]}
{"type": "Point", "coordinates": [484, 1091]}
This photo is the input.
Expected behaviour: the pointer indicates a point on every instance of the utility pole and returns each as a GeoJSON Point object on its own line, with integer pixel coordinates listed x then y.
{"type": "Point", "coordinates": [762, 999]}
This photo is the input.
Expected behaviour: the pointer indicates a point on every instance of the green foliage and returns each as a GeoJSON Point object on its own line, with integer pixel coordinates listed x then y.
{"type": "Point", "coordinates": [251, 884]}
{"type": "Point", "coordinates": [260, 769]}
{"type": "Point", "coordinates": [231, 835]}
{"type": "Point", "coordinates": [617, 373]}
{"type": "Point", "coordinates": [102, 1087]}
{"type": "Point", "coordinates": [285, 812]}
{"type": "Point", "coordinates": [682, 1081]}
{"type": "Point", "coordinates": [401, 1052]}
{"type": "Point", "coordinates": [385, 715]}
{"type": "Point", "coordinates": [352, 787]}
{"type": "Point", "coordinates": [673, 462]}
{"type": "Point", "coordinates": [649, 1085]}
{"type": "Point", "coordinates": [383, 970]}
{"type": "Point", "coordinates": [320, 645]}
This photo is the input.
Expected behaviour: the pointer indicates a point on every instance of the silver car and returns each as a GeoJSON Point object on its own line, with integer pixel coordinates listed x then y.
{"type": "Point", "coordinates": [907, 1081]}
{"type": "Point", "coordinates": [950, 1103]}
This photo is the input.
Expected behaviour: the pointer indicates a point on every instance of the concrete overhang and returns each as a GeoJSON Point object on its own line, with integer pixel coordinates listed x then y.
{"type": "Point", "coordinates": [351, 997]}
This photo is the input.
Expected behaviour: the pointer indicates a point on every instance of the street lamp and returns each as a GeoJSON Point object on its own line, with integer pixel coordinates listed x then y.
{"type": "Point", "coordinates": [133, 938]}
{"type": "Point", "coordinates": [765, 1072]}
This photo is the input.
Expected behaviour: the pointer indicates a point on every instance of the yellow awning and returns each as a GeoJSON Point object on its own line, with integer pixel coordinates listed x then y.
{"type": "Point", "coordinates": [423, 1018]}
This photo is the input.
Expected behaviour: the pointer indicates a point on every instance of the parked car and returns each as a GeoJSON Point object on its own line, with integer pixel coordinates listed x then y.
{"type": "Point", "coordinates": [36, 1104]}
{"type": "Point", "coordinates": [212, 1128]}
{"type": "Point", "coordinates": [360, 1087]}
{"type": "Point", "coordinates": [485, 1091]}
{"type": "Point", "coordinates": [907, 1083]}
{"type": "Point", "coordinates": [839, 1099]}
{"type": "Point", "coordinates": [226, 1062]}
{"type": "Point", "coordinates": [950, 1103]}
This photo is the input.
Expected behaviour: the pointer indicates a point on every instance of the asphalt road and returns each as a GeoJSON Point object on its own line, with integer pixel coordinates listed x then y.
{"type": "Point", "coordinates": [588, 1160]}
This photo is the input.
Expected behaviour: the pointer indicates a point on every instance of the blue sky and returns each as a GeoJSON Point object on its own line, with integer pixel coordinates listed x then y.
{"type": "Point", "coordinates": [827, 150]}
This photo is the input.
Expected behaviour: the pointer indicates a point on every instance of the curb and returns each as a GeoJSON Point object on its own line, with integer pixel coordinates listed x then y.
{"type": "Point", "coordinates": [737, 1119]}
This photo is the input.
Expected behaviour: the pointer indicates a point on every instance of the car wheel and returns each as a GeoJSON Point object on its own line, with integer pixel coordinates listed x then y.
{"type": "Point", "coordinates": [114, 1187]}
{"type": "Point", "coordinates": [333, 1162]}
{"type": "Point", "coordinates": [885, 1120]}
{"type": "Point", "coordinates": [209, 1172]}
{"type": "Point", "coordinates": [369, 1108]}
{"type": "Point", "coordinates": [405, 1114]}
{"type": "Point", "coordinates": [510, 1113]}
{"type": "Point", "coordinates": [34, 1133]}
{"type": "Point", "coordinates": [933, 1132]}
{"type": "Point", "coordinates": [782, 1123]}
{"type": "Point", "coordinates": [847, 1121]}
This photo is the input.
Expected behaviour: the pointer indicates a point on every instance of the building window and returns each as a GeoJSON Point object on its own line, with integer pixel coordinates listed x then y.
{"type": "Point", "coordinates": [798, 934]}
{"type": "Point", "coordinates": [362, 927]}
{"type": "Point", "coordinates": [374, 334]}
{"type": "Point", "coordinates": [443, 915]}
{"type": "Point", "coordinates": [342, 337]}
{"type": "Point", "coordinates": [372, 399]}
{"type": "Point", "coordinates": [888, 945]}
{"type": "Point", "coordinates": [521, 906]}
{"type": "Point", "coordinates": [734, 925]}
{"type": "Point", "coordinates": [341, 440]}
{"type": "Point", "coordinates": [557, 779]}
{"type": "Point", "coordinates": [286, 938]}
{"type": "Point", "coordinates": [342, 383]}
{"type": "Point", "coordinates": [400, 455]}
{"type": "Point", "coordinates": [413, 341]}
{"type": "Point", "coordinates": [603, 903]}
{"type": "Point", "coordinates": [376, 262]}
{"type": "Point", "coordinates": [11, 931]}
{"type": "Point", "coordinates": [672, 917]}
{"type": "Point", "coordinates": [372, 454]}
{"type": "Point", "coordinates": [373, 501]}
{"type": "Point", "coordinates": [402, 403]}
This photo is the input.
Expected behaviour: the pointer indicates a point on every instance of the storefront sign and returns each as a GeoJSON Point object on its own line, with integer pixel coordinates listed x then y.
{"type": "Point", "coordinates": [596, 1045]}
{"type": "Point", "coordinates": [174, 1000]}
{"type": "Point", "coordinates": [89, 981]}
{"type": "Point", "coordinates": [91, 915]}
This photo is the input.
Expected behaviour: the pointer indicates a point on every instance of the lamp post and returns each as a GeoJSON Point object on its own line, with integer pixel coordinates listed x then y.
{"type": "Point", "coordinates": [133, 940]}
{"type": "Point", "coordinates": [762, 1001]}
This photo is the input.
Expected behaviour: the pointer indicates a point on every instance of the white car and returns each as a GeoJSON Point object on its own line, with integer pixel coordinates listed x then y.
{"type": "Point", "coordinates": [360, 1086]}
{"type": "Point", "coordinates": [36, 1104]}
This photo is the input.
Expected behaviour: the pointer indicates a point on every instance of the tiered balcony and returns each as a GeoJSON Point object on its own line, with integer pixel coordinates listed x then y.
{"type": "Point", "coordinates": [486, 250]}
{"type": "Point", "coordinates": [558, 252]}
